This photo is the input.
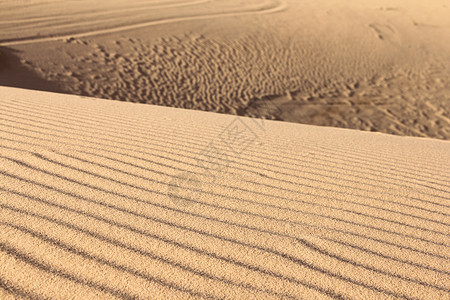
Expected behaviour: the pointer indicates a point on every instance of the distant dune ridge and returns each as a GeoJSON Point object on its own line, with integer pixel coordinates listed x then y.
{"type": "Point", "coordinates": [109, 200]}
{"type": "Point", "coordinates": [370, 65]}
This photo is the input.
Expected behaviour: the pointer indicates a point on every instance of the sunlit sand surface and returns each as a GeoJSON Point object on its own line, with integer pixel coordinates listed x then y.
{"type": "Point", "coordinates": [103, 199]}
{"type": "Point", "coordinates": [370, 65]}
{"type": "Point", "coordinates": [107, 200]}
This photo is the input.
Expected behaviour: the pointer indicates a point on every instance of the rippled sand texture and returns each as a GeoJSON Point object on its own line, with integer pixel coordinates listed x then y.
{"type": "Point", "coordinates": [109, 200]}
{"type": "Point", "coordinates": [374, 65]}
{"type": "Point", "coordinates": [194, 72]}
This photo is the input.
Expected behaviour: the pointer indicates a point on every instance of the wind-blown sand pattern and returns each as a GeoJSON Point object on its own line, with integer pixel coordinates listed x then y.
{"type": "Point", "coordinates": [370, 65]}
{"type": "Point", "coordinates": [102, 199]}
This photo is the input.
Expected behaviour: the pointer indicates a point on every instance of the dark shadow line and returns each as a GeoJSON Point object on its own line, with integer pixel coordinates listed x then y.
{"type": "Point", "coordinates": [253, 268]}
{"type": "Point", "coordinates": [31, 38]}
{"type": "Point", "coordinates": [14, 73]}
{"type": "Point", "coordinates": [28, 259]}
{"type": "Point", "coordinates": [19, 292]}
{"type": "Point", "coordinates": [414, 264]}
{"type": "Point", "coordinates": [111, 264]}
{"type": "Point", "coordinates": [118, 120]}
{"type": "Point", "coordinates": [196, 138]}
{"type": "Point", "coordinates": [119, 244]}
{"type": "Point", "coordinates": [311, 246]}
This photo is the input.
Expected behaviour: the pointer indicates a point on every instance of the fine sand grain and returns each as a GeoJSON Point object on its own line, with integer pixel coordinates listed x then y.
{"type": "Point", "coordinates": [373, 65]}
{"type": "Point", "coordinates": [104, 200]}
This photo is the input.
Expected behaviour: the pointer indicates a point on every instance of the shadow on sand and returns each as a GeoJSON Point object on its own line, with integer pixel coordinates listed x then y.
{"type": "Point", "coordinates": [14, 73]}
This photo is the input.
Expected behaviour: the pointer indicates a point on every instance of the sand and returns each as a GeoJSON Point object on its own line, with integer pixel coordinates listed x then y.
{"type": "Point", "coordinates": [103, 199]}
{"type": "Point", "coordinates": [372, 65]}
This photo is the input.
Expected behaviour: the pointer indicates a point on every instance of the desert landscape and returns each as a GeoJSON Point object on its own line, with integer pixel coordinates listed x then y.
{"type": "Point", "coordinates": [375, 65]}
{"type": "Point", "coordinates": [101, 199]}
{"type": "Point", "coordinates": [224, 149]}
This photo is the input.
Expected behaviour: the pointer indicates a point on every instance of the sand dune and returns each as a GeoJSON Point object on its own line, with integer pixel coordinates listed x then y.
{"type": "Point", "coordinates": [12, 28]}
{"type": "Point", "coordinates": [102, 199]}
{"type": "Point", "coordinates": [375, 65]}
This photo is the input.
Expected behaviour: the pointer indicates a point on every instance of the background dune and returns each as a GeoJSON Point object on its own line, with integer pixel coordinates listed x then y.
{"type": "Point", "coordinates": [373, 65]}
{"type": "Point", "coordinates": [102, 200]}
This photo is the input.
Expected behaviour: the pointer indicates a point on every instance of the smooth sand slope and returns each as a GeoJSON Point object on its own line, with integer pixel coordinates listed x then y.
{"type": "Point", "coordinates": [102, 199]}
{"type": "Point", "coordinates": [374, 65]}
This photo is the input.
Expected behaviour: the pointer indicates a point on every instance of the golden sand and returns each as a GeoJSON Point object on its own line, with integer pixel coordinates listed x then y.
{"type": "Point", "coordinates": [373, 65]}
{"type": "Point", "coordinates": [102, 199]}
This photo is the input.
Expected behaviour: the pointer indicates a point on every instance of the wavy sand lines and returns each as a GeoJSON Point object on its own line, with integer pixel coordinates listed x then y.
{"type": "Point", "coordinates": [85, 202]}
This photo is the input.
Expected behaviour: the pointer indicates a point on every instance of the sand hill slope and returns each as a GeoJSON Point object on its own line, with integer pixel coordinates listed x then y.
{"type": "Point", "coordinates": [373, 65]}
{"type": "Point", "coordinates": [102, 199]}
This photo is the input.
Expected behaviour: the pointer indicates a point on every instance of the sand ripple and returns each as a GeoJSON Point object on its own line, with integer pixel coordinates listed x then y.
{"type": "Point", "coordinates": [106, 200]}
